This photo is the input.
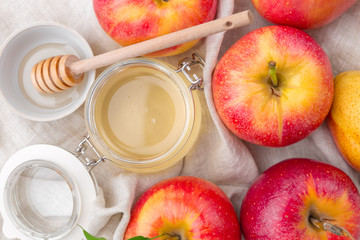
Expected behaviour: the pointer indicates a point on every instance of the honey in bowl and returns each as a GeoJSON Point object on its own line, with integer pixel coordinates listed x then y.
{"type": "Point", "coordinates": [143, 115]}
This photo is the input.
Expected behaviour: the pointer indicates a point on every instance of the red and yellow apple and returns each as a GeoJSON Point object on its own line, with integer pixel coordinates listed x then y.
{"type": "Point", "coordinates": [184, 208]}
{"type": "Point", "coordinates": [301, 199]}
{"type": "Point", "coordinates": [303, 14]}
{"type": "Point", "coordinates": [273, 105]}
{"type": "Point", "coordinates": [343, 119]}
{"type": "Point", "coordinates": [129, 21]}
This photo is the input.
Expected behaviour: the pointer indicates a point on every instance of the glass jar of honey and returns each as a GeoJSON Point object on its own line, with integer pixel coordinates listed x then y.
{"type": "Point", "coordinates": [143, 114]}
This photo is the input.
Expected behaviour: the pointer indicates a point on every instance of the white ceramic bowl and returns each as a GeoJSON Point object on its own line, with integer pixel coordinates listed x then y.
{"type": "Point", "coordinates": [21, 51]}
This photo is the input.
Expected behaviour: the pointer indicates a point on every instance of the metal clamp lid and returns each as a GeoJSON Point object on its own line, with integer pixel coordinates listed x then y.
{"type": "Point", "coordinates": [185, 67]}
{"type": "Point", "coordinates": [80, 151]}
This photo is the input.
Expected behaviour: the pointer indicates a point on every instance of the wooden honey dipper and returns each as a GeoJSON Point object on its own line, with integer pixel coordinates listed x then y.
{"type": "Point", "coordinates": [59, 73]}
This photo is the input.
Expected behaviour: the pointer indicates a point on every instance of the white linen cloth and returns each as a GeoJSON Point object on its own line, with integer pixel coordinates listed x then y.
{"type": "Point", "coordinates": [217, 156]}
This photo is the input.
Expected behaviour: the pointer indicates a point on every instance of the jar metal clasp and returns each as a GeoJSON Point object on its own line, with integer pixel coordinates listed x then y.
{"type": "Point", "coordinates": [185, 66]}
{"type": "Point", "coordinates": [80, 151]}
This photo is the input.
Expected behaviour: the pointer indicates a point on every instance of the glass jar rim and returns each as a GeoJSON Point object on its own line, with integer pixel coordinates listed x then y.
{"type": "Point", "coordinates": [10, 198]}
{"type": "Point", "coordinates": [160, 66]}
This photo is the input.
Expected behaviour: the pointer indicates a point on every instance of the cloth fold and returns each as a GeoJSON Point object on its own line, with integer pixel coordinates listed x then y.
{"type": "Point", "coordinates": [217, 156]}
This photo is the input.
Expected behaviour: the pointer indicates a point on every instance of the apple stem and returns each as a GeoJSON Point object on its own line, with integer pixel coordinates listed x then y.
{"type": "Point", "coordinates": [272, 73]}
{"type": "Point", "coordinates": [325, 225]}
{"type": "Point", "coordinates": [169, 236]}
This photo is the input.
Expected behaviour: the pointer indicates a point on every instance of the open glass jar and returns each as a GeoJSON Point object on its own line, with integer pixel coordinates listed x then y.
{"type": "Point", "coordinates": [142, 113]}
{"type": "Point", "coordinates": [46, 192]}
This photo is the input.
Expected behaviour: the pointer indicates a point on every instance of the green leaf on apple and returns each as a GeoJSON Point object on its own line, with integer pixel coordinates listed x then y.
{"type": "Point", "coordinates": [139, 238]}
{"type": "Point", "coordinates": [89, 236]}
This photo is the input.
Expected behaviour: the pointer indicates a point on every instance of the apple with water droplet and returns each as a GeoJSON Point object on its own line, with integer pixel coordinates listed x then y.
{"type": "Point", "coordinates": [301, 199]}
{"type": "Point", "coordinates": [184, 208]}
{"type": "Point", "coordinates": [303, 14]}
{"type": "Point", "coordinates": [130, 21]}
{"type": "Point", "coordinates": [274, 86]}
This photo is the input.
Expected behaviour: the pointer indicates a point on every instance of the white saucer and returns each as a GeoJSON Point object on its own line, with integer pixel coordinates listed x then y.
{"type": "Point", "coordinates": [21, 51]}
